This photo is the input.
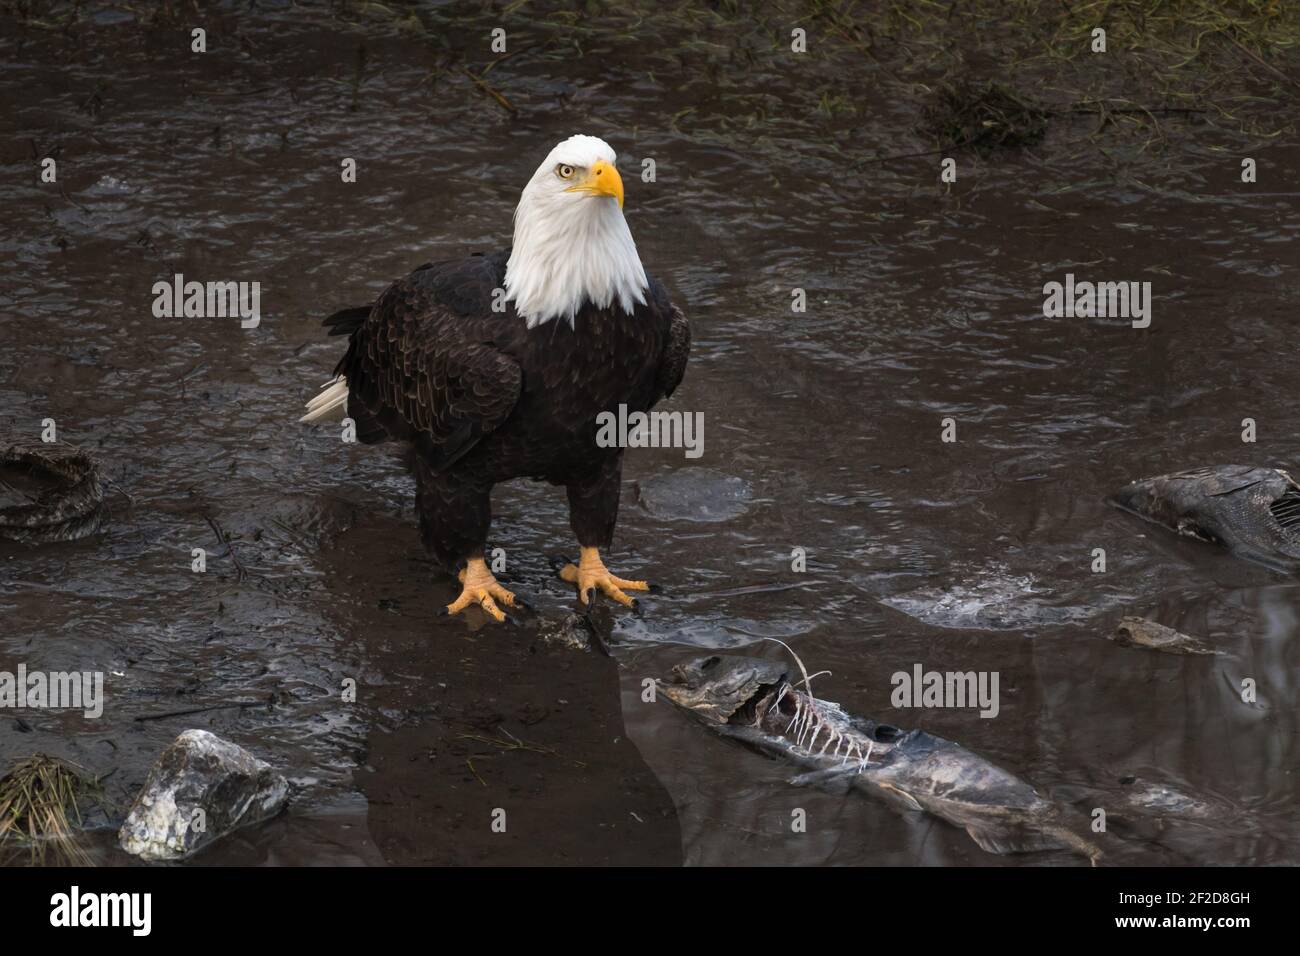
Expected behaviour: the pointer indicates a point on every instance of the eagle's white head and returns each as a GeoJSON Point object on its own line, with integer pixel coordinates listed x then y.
{"type": "Point", "coordinates": [572, 243]}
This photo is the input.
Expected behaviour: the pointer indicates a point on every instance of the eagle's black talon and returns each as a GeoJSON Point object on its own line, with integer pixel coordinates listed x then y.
{"type": "Point", "coordinates": [558, 562]}
{"type": "Point", "coordinates": [591, 595]}
{"type": "Point", "coordinates": [655, 589]}
{"type": "Point", "coordinates": [600, 644]}
{"type": "Point", "coordinates": [524, 601]}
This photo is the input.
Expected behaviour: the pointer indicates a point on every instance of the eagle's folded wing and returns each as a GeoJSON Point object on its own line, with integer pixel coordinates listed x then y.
{"type": "Point", "coordinates": [672, 365]}
{"type": "Point", "coordinates": [414, 373]}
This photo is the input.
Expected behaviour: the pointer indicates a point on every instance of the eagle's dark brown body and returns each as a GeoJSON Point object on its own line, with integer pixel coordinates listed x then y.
{"type": "Point", "coordinates": [482, 399]}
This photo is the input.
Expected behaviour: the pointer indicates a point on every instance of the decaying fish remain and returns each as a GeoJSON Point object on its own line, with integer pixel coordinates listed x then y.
{"type": "Point", "coordinates": [1253, 512]}
{"type": "Point", "coordinates": [67, 502]}
{"type": "Point", "coordinates": [201, 788]}
{"type": "Point", "coordinates": [754, 701]}
{"type": "Point", "coordinates": [1139, 632]}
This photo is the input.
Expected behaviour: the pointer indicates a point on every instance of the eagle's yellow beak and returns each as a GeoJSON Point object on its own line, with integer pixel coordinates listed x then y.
{"type": "Point", "coordinates": [602, 180]}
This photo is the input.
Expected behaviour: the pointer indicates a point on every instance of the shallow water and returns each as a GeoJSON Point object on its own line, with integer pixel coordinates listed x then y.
{"type": "Point", "coordinates": [924, 302]}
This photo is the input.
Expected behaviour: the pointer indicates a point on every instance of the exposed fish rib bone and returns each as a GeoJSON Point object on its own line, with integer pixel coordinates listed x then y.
{"type": "Point", "coordinates": [807, 680]}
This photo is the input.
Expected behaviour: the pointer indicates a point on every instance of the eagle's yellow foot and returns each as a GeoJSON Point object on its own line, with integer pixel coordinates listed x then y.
{"type": "Point", "coordinates": [483, 589]}
{"type": "Point", "coordinates": [590, 573]}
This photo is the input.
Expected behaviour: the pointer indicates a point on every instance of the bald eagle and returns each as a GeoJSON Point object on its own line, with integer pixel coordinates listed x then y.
{"type": "Point", "coordinates": [497, 366]}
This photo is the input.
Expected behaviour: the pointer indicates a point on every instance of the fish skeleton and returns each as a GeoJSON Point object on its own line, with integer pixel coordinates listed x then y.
{"type": "Point", "coordinates": [753, 701]}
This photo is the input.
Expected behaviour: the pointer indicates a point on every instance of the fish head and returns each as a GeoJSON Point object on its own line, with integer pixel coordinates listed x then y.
{"type": "Point", "coordinates": [718, 686]}
{"type": "Point", "coordinates": [1155, 500]}
{"type": "Point", "coordinates": [1207, 503]}
{"type": "Point", "coordinates": [1186, 502]}
{"type": "Point", "coordinates": [1251, 510]}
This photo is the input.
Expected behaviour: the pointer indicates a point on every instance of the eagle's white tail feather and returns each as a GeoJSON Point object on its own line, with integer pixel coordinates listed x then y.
{"type": "Point", "coordinates": [333, 396]}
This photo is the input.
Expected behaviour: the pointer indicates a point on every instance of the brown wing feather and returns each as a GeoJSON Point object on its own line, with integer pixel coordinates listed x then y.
{"type": "Point", "coordinates": [672, 366]}
{"type": "Point", "coordinates": [416, 373]}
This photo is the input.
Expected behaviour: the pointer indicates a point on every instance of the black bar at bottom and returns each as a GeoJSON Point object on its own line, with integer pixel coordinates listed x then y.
{"type": "Point", "coordinates": [331, 906]}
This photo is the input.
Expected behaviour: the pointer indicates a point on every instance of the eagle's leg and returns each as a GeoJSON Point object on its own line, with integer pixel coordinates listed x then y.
{"type": "Point", "coordinates": [482, 588]}
{"type": "Point", "coordinates": [590, 573]}
{"type": "Point", "coordinates": [593, 511]}
{"type": "Point", "coordinates": [455, 516]}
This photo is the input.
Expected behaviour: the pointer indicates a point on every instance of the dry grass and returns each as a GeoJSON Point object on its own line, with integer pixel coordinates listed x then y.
{"type": "Point", "coordinates": [40, 808]}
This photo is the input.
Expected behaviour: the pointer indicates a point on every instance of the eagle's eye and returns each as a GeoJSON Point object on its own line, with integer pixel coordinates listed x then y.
{"type": "Point", "coordinates": [564, 171]}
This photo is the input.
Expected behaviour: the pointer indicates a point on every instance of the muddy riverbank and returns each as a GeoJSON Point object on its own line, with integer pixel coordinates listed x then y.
{"type": "Point", "coordinates": [824, 428]}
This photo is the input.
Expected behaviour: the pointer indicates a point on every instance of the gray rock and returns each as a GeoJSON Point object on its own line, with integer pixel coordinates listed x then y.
{"type": "Point", "coordinates": [201, 789]}
{"type": "Point", "coordinates": [1139, 632]}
